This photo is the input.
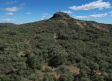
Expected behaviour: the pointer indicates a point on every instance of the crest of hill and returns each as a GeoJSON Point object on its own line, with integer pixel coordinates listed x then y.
{"type": "Point", "coordinates": [67, 21]}
{"type": "Point", "coordinates": [60, 15]}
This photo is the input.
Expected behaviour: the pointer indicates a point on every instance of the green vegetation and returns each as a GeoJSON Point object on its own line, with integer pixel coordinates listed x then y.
{"type": "Point", "coordinates": [7, 24]}
{"type": "Point", "coordinates": [58, 49]}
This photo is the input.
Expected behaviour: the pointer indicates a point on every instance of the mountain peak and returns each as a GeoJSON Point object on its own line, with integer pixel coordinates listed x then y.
{"type": "Point", "coordinates": [61, 15]}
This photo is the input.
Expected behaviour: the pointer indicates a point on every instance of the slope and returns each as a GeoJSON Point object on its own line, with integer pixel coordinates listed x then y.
{"type": "Point", "coordinates": [7, 24]}
{"type": "Point", "coordinates": [60, 46]}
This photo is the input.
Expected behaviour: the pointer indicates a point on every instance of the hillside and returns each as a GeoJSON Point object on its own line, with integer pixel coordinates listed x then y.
{"type": "Point", "coordinates": [7, 24]}
{"type": "Point", "coordinates": [58, 49]}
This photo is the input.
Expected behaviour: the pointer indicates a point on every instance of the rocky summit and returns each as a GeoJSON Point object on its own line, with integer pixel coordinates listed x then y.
{"type": "Point", "coordinates": [60, 15]}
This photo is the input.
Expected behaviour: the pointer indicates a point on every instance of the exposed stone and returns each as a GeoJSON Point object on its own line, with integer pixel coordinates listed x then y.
{"type": "Point", "coordinates": [60, 15]}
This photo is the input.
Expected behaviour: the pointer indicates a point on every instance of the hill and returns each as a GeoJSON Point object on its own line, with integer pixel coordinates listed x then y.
{"type": "Point", "coordinates": [6, 24]}
{"type": "Point", "coordinates": [58, 49]}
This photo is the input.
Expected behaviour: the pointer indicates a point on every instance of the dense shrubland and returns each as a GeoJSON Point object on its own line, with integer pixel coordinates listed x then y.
{"type": "Point", "coordinates": [25, 49]}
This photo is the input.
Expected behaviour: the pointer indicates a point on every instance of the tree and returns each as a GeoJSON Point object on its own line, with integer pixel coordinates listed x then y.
{"type": "Point", "coordinates": [66, 77]}
{"type": "Point", "coordinates": [49, 77]}
{"type": "Point", "coordinates": [97, 78]}
{"type": "Point", "coordinates": [58, 58]}
{"type": "Point", "coordinates": [83, 73]}
{"type": "Point", "coordinates": [36, 77]}
{"type": "Point", "coordinates": [4, 78]}
{"type": "Point", "coordinates": [85, 79]}
{"type": "Point", "coordinates": [62, 70]}
{"type": "Point", "coordinates": [94, 67]}
{"type": "Point", "coordinates": [35, 61]}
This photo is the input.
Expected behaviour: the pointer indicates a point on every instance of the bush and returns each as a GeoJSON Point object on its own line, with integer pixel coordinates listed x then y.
{"type": "Point", "coordinates": [48, 69]}
{"type": "Point", "coordinates": [62, 70]}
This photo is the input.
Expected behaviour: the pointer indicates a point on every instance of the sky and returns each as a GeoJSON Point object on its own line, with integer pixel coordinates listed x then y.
{"type": "Point", "coordinates": [25, 11]}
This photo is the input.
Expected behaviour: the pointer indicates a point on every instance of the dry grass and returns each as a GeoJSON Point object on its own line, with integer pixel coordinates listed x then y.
{"type": "Point", "coordinates": [73, 69]}
{"type": "Point", "coordinates": [97, 26]}
{"type": "Point", "coordinates": [64, 22]}
{"type": "Point", "coordinates": [78, 23]}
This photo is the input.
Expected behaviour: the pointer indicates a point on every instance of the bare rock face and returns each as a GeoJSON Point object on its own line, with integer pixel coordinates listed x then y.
{"type": "Point", "coordinates": [60, 15]}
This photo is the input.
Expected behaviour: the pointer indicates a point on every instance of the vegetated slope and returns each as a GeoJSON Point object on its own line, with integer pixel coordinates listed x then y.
{"type": "Point", "coordinates": [55, 49]}
{"type": "Point", "coordinates": [7, 24]}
